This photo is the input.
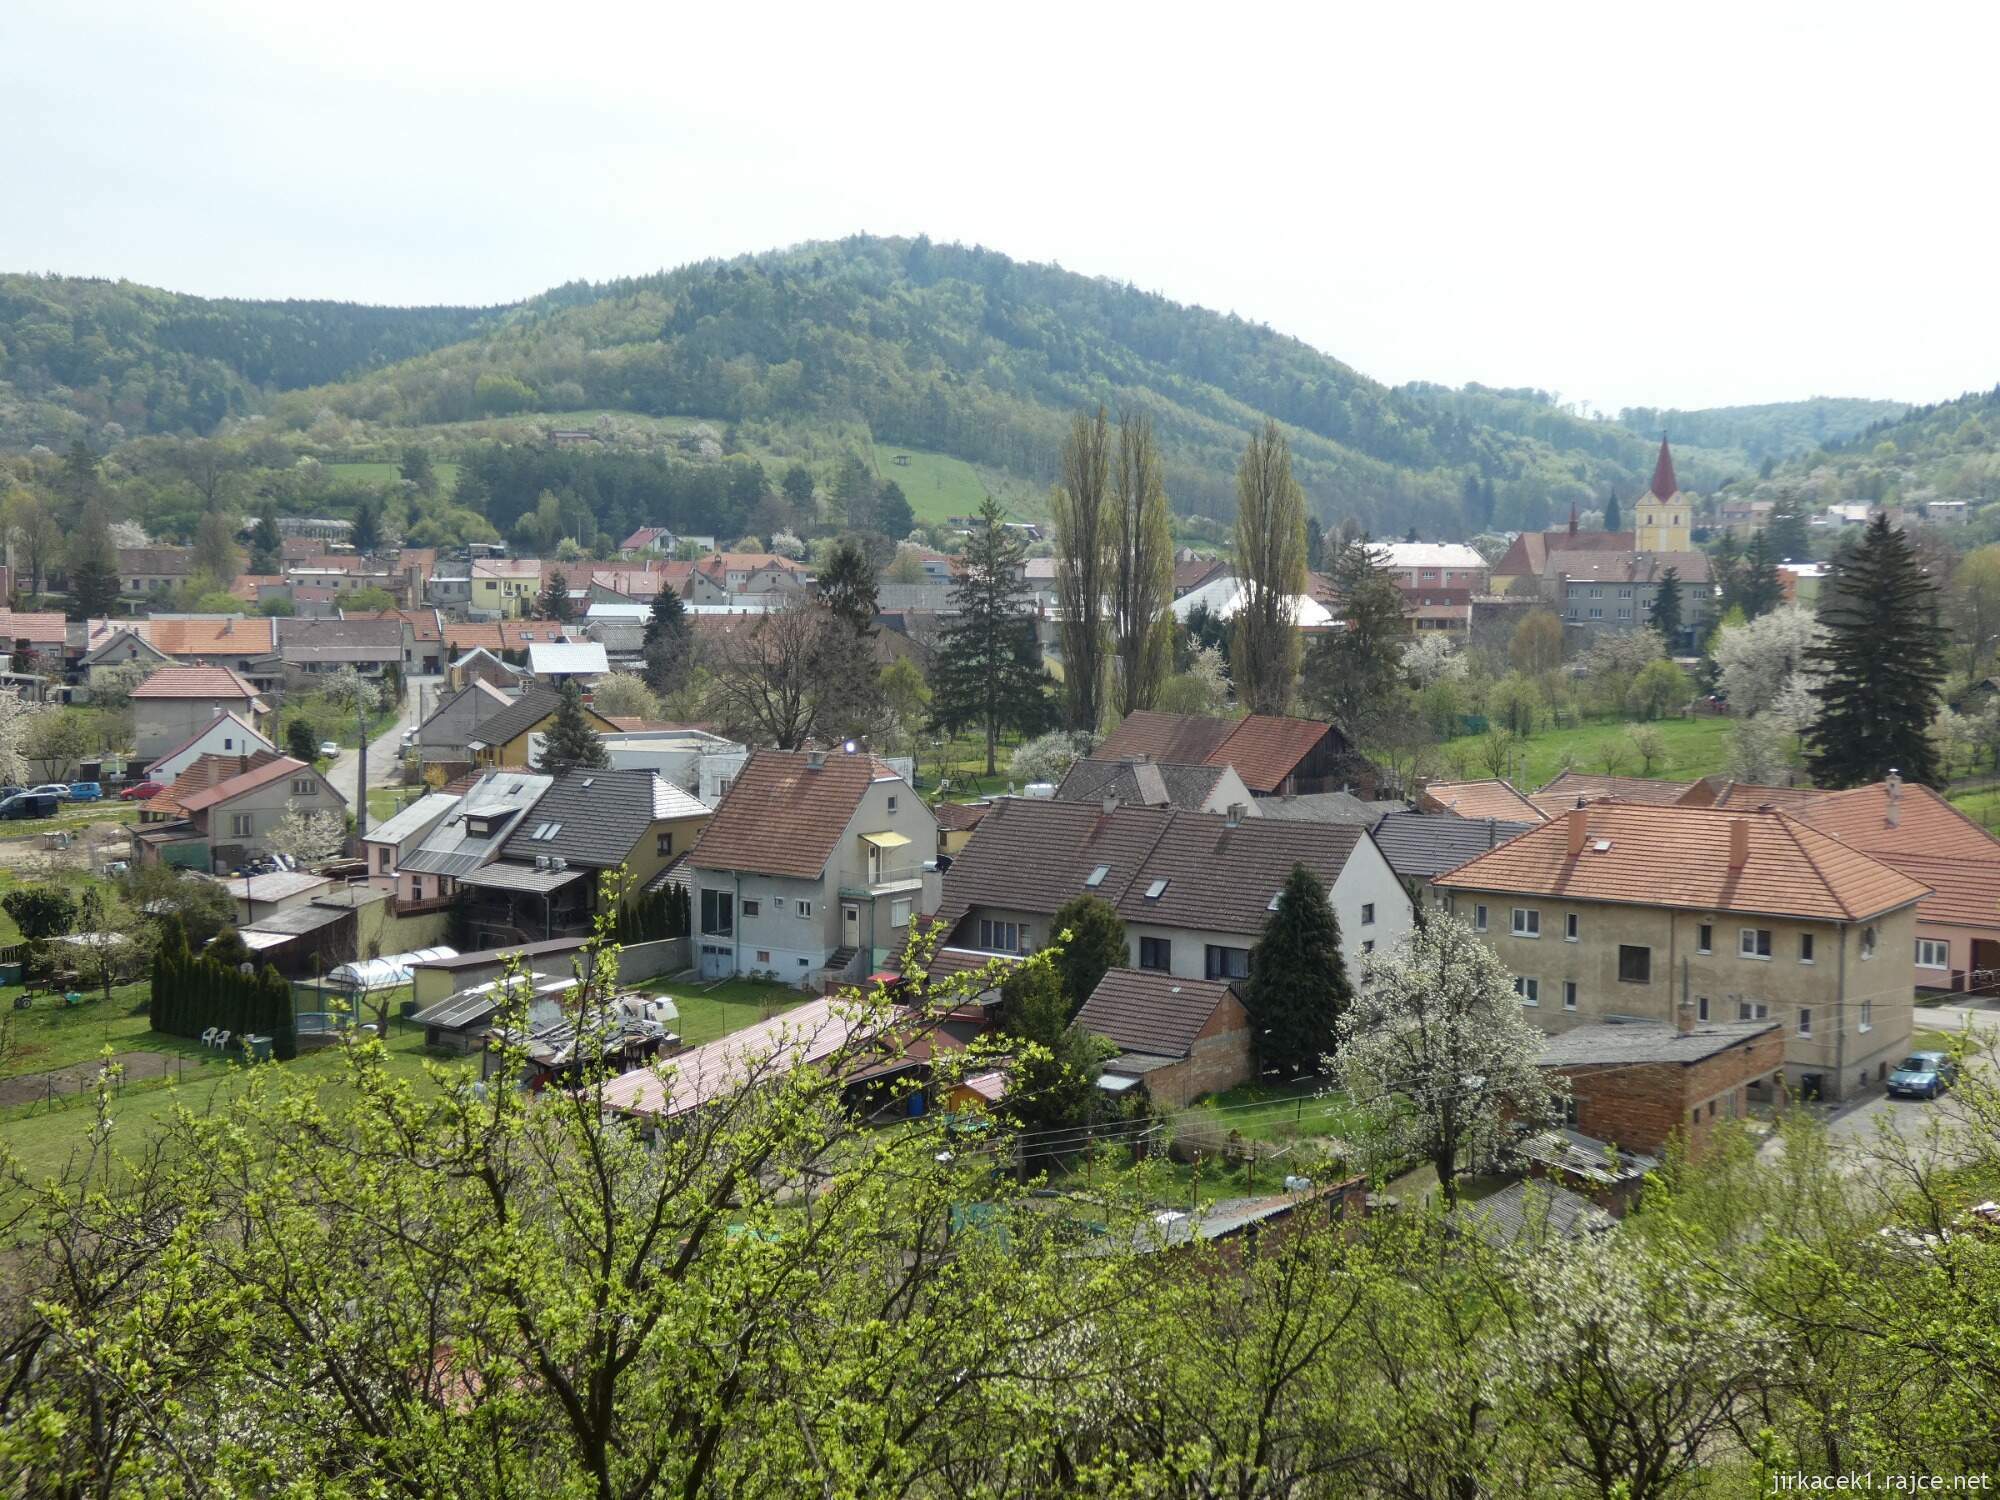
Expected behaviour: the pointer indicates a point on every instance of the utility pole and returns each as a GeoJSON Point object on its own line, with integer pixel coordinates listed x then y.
{"type": "Point", "coordinates": [361, 775]}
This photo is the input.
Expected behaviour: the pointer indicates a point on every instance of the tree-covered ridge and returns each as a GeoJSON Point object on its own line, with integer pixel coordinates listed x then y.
{"type": "Point", "coordinates": [79, 353]}
{"type": "Point", "coordinates": [1779, 430]}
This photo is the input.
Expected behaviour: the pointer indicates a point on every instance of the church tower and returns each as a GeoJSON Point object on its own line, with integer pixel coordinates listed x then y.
{"type": "Point", "coordinates": [1663, 520]}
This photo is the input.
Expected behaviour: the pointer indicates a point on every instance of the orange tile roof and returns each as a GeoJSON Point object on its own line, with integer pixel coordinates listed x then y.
{"type": "Point", "coordinates": [271, 769]}
{"type": "Point", "coordinates": [1720, 791]}
{"type": "Point", "coordinates": [194, 682]}
{"type": "Point", "coordinates": [1560, 795]}
{"type": "Point", "coordinates": [42, 628]}
{"type": "Point", "coordinates": [1264, 748]}
{"type": "Point", "coordinates": [781, 817]}
{"type": "Point", "coordinates": [206, 772]}
{"type": "Point", "coordinates": [1925, 824]}
{"type": "Point", "coordinates": [232, 635]}
{"type": "Point", "coordinates": [1963, 892]}
{"type": "Point", "coordinates": [1480, 799]}
{"type": "Point", "coordinates": [1679, 857]}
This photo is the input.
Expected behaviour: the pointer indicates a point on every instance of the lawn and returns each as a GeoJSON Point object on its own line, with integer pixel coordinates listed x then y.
{"type": "Point", "coordinates": [711, 1012]}
{"type": "Point", "coordinates": [1694, 748]}
{"type": "Point", "coordinates": [1281, 1111]}
{"type": "Point", "coordinates": [388, 473]}
{"type": "Point", "coordinates": [72, 816]}
{"type": "Point", "coordinates": [1982, 806]}
{"type": "Point", "coordinates": [938, 486]}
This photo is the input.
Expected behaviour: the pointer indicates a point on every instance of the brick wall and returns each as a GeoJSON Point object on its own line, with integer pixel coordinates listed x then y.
{"type": "Point", "coordinates": [1641, 1106]}
{"type": "Point", "coordinates": [1217, 1062]}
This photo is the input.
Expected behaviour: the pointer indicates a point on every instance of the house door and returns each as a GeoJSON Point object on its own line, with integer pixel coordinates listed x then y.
{"type": "Point", "coordinates": [715, 961]}
{"type": "Point", "coordinates": [850, 925]}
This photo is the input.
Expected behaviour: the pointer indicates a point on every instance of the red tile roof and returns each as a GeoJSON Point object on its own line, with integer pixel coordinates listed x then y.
{"type": "Point", "coordinates": [1264, 748]}
{"type": "Point", "coordinates": [42, 628]}
{"type": "Point", "coordinates": [782, 817]}
{"type": "Point", "coordinates": [206, 772]}
{"type": "Point", "coordinates": [1560, 795]}
{"type": "Point", "coordinates": [194, 682]}
{"type": "Point", "coordinates": [1924, 823]}
{"type": "Point", "coordinates": [273, 769]}
{"type": "Point", "coordinates": [233, 635]}
{"type": "Point", "coordinates": [1480, 799]}
{"type": "Point", "coordinates": [1680, 857]}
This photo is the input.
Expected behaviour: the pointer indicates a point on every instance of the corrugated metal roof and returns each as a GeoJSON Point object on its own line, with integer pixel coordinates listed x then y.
{"type": "Point", "coordinates": [451, 849]}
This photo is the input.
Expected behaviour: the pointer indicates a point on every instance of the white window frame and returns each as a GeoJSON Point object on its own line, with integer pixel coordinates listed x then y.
{"type": "Point", "coordinates": [1569, 994]}
{"type": "Point", "coordinates": [1572, 927]}
{"type": "Point", "coordinates": [1805, 1020]}
{"type": "Point", "coordinates": [1527, 922]}
{"type": "Point", "coordinates": [1749, 940]}
{"type": "Point", "coordinates": [805, 908]}
{"type": "Point", "coordinates": [1806, 947]}
{"type": "Point", "coordinates": [1528, 990]}
{"type": "Point", "coordinates": [1753, 1010]}
{"type": "Point", "coordinates": [899, 912]}
{"type": "Point", "coordinates": [1867, 1023]}
{"type": "Point", "coordinates": [1938, 945]}
{"type": "Point", "coordinates": [1704, 937]}
{"type": "Point", "coordinates": [1478, 916]}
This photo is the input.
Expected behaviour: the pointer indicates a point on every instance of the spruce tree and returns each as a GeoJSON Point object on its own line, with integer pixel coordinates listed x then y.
{"type": "Point", "coordinates": [847, 587]}
{"type": "Point", "coordinates": [571, 743]}
{"type": "Point", "coordinates": [1096, 943]}
{"type": "Point", "coordinates": [1298, 983]}
{"type": "Point", "coordinates": [988, 672]}
{"type": "Point", "coordinates": [1883, 660]}
{"type": "Point", "coordinates": [266, 544]}
{"type": "Point", "coordinates": [668, 645]}
{"type": "Point", "coordinates": [1760, 591]}
{"type": "Point", "coordinates": [93, 566]}
{"type": "Point", "coordinates": [1665, 616]}
{"type": "Point", "coordinates": [1612, 518]}
{"type": "Point", "coordinates": [555, 597]}
{"type": "Point", "coordinates": [367, 527]}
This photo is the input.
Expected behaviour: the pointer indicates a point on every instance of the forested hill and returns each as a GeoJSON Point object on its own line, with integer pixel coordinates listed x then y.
{"type": "Point", "coordinates": [84, 353]}
{"type": "Point", "coordinates": [1775, 431]}
{"type": "Point", "coordinates": [1946, 451]}
{"type": "Point", "coordinates": [953, 349]}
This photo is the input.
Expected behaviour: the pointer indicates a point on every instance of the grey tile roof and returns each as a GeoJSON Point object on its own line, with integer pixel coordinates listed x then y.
{"type": "Point", "coordinates": [413, 821]}
{"type": "Point", "coordinates": [1033, 856]}
{"type": "Point", "coordinates": [592, 818]}
{"type": "Point", "coordinates": [1531, 1212]}
{"type": "Point", "coordinates": [1329, 807]}
{"type": "Point", "coordinates": [504, 875]}
{"type": "Point", "coordinates": [1646, 1042]}
{"type": "Point", "coordinates": [451, 849]}
{"type": "Point", "coordinates": [1141, 783]}
{"type": "Point", "coordinates": [518, 718]}
{"type": "Point", "coordinates": [1152, 1013]}
{"type": "Point", "coordinates": [1421, 845]}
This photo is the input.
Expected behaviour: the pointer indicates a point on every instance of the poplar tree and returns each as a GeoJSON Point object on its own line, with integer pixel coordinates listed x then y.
{"type": "Point", "coordinates": [1882, 664]}
{"type": "Point", "coordinates": [1271, 569]}
{"type": "Point", "coordinates": [1142, 583]}
{"type": "Point", "coordinates": [988, 671]}
{"type": "Point", "coordinates": [1085, 543]}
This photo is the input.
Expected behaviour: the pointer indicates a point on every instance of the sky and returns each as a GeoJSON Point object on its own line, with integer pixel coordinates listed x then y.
{"type": "Point", "coordinates": [1626, 205]}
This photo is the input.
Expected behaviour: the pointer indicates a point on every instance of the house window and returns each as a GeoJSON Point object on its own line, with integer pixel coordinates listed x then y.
{"type": "Point", "coordinates": [763, 954]}
{"type": "Point", "coordinates": [1530, 990]}
{"type": "Point", "coordinates": [892, 802]}
{"type": "Point", "coordinates": [1701, 1008]}
{"type": "Point", "coordinates": [805, 908]}
{"type": "Point", "coordinates": [1227, 963]}
{"type": "Point", "coordinates": [999, 937]}
{"type": "Point", "coordinates": [1932, 954]}
{"type": "Point", "coordinates": [1368, 945]}
{"type": "Point", "coordinates": [416, 888]}
{"type": "Point", "coordinates": [1805, 947]}
{"type": "Point", "coordinates": [664, 844]}
{"type": "Point", "coordinates": [1867, 1022]}
{"type": "Point", "coordinates": [382, 858]}
{"type": "Point", "coordinates": [1367, 913]}
{"type": "Point", "coordinates": [1527, 922]}
{"type": "Point", "coordinates": [1754, 942]}
{"type": "Point", "coordinates": [777, 903]}
{"type": "Point", "coordinates": [899, 912]}
{"type": "Point", "coordinates": [1868, 942]}
{"type": "Point", "coordinates": [1635, 964]}
{"type": "Point", "coordinates": [304, 786]}
{"type": "Point", "coordinates": [1156, 953]}
{"type": "Point", "coordinates": [1478, 918]}
{"type": "Point", "coordinates": [1570, 926]}
{"type": "Point", "coordinates": [1752, 1010]}
{"type": "Point", "coordinates": [1596, 612]}
{"type": "Point", "coordinates": [751, 907]}
{"type": "Point", "coordinates": [718, 913]}
{"type": "Point", "coordinates": [1569, 994]}
{"type": "Point", "coordinates": [242, 825]}
{"type": "Point", "coordinates": [1704, 941]}
{"type": "Point", "coordinates": [1805, 1020]}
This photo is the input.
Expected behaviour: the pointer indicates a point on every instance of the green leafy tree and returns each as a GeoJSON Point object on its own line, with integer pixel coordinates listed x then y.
{"type": "Point", "coordinates": [1658, 688]}
{"type": "Point", "coordinates": [988, 672]}
{"type": "Point", "coordinates": [93, 566]}
{"type": "Point", "coordinates": [41, 911]}
{"type": "Point", "coordinates": [1298, 986]}
{"type": "Point", "coordinates": [1085, 526]}
{"type": "Point", "coordinates": [300, 741]}
{"type": "Point", "coordinates": [416, 469]}
{"type": "Point", "coordinates": [1053, 1091]}
{"type": "Point", "coordinates": [572, 742]}
{"type": "Point", "coordinates": [216, 555]}
{"type": "Point", "coordinates": [1271, 565]}
{"type": "Point", "coordinates": [1665, 615]}
{"type": "Point", "coordinates": [798, 486]}
{"type": "Point", "coordinates": [893, 516]}
{"type": "Point", "coordinates": [1882, 666]}
{"type": "Point", "coordinates": [1096, 943]}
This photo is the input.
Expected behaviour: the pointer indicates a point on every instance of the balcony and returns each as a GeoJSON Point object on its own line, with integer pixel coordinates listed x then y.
{"type": "Point", "coordinates": [881, 879]}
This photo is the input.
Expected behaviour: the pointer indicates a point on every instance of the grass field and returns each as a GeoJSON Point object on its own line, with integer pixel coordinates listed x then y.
{"type": "Point", "coordinates": [710, 1014]}
{"type": "Point", "coordinates": [1281, 1111]}
{"type": "Point", "coordinates": [1694, 748]}
{"type": "Point", "coordinates": [1982, 806]}
{"type": "Point", "coordinates": [938, 486]}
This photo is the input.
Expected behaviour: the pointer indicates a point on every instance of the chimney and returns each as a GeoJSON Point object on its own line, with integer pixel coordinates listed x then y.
{"type": "Point", "coordinates": [1684, 1016]}
{"type": "Point", "coordinates": [1739, 843]}
{"type": "Point", "coordinates": [1893, 784]}
{"type": "Point", "coordinates": [1492, 832]}
{"type": "Point", "coordinates": [1579, 829]}
{"type": "Point", "coordinates": [1110, 803]}
{"type": "Point", "coordinates": [815, 760]}
{"type": "Point", "coordinates": [1232, 815]}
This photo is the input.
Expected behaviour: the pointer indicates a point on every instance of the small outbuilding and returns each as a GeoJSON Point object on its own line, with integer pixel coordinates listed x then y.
{"type": "Point", "coordinates": [1181, 1037]}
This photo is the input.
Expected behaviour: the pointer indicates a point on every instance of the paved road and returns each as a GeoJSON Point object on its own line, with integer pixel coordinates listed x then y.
{"type": "Point", "coordinates": [386, 750]}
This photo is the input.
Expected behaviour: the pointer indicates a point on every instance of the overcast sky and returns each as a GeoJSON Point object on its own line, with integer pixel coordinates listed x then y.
{"type": "Point", "coordinates": [1627, 205]}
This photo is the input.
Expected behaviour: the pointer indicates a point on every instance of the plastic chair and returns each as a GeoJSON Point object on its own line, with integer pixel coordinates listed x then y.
{"type": "Point", "coordinates": [222, 1041]}
{"type": "Point", "coordinates": [208, 1037]}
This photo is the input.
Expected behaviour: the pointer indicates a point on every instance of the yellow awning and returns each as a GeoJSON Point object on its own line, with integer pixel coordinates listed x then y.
{"type": "Point", "coordinates": [885, 840]}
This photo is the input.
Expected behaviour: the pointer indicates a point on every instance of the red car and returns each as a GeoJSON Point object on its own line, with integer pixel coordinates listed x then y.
{"type": "Point", "coordinates": [142, 791]}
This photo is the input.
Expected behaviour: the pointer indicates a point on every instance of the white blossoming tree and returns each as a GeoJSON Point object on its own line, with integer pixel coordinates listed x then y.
{"type": "Point", "coordinates": [1435, 1051]}
{"type": "Point", "coordinates": [15, 718]}
{"type": "Point", "coordinates": [1641, 1352]}
{"type": "Point", "coordinates": [307, 835]}
{"type": "Point", "coordinates": [1757, 662]}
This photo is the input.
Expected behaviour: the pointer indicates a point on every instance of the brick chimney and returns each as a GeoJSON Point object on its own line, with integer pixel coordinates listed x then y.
{"type": "Point", "coordinates": [1578, 820]}
{"type": "Point", "coordinates": [1739, 843]}
{"type": "Point", "coordinates": [1684, 1016]}
{"type": "Point", "coordinates": [1893, 785]}
{"type": "Point", "coordinates": [1232, 817]}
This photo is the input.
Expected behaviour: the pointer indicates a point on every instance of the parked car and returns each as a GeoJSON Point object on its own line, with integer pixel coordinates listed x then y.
{"type": "Point", "coordinates": [86, 791]}
{"type": "Point", "coordinates": [142, 791]}
{"type": "Point", "coordinates": [329, 747]}
{"type": "Point", "coordinates": [34, 804]}
{"type": "Point", "coordinates": [1923, 1075]}
{"type": "Point", "coordinates": [56, 789]}
{"type": "Point", "coordinates": [10, 791]}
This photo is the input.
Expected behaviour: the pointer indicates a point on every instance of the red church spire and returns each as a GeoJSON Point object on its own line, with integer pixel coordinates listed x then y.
{"type": "Point", "coordinates": [1664, 483]}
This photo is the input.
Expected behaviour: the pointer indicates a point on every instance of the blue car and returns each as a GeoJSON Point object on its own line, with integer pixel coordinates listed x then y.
{"type": "Point", "coordinates": [1922, 1075]}
{"type": "Point", "coordinates": [86, 791]}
